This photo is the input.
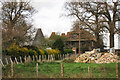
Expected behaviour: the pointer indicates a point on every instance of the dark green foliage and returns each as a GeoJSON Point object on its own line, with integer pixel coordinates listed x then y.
{"type": "Point", "coordinates": [58, 44]}
{"type": "Point", "coordinates": [70, 51]}
{"type": "Point", "coordinates": [32, 52]}
{"type": "Point", "coordinates": [32, 48]}
{"type": "Point", "coordinates": [84, 48]}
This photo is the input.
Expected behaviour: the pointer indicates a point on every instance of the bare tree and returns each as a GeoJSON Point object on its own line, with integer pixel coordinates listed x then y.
{"type": "Point", "coordinates": [87, 14]}
{"type": "Point", "coordinates": [111, 14]}
{"type": "Point", "coordinates": [16, 22]}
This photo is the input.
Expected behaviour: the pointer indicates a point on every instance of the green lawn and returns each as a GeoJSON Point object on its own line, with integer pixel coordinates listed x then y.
{"type": "Point", "coordinates": [53, 70]}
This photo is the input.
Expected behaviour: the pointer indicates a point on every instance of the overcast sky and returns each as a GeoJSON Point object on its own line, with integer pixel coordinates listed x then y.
{"type": "Point", "coordinates": [49, 16]}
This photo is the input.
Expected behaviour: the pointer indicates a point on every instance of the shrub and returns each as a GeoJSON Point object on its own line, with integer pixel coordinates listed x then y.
{"type": "Point", "coordinates": [32, 48]}
{"type": "Point", "coordinates": [53, 51]}
{"type": "Point", "coordinates": [14, 50]}
{"type": "Point", "coordinates": [58, 44]}
{"type": "Point", "coordinates": [32, 52]}
{"type": "Point", "coordinates": [41, 52]}
{"type": "Point", "coordinates": [84, 48]}
{"type": "Point", "coordinates": [68, 51]}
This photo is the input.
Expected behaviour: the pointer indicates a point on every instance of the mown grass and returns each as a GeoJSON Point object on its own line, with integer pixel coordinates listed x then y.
{"type": "Point", "coordinates": [53, 70]}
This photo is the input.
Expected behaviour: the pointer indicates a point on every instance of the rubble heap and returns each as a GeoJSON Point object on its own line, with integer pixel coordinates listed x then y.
{"type": "Point", "coordinates": [95, 57]}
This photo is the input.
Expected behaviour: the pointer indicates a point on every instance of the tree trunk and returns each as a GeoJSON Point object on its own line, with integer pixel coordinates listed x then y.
{"type": "Point", "coordinates": [97, 40]}
{"type": "Point", "coordinates": [112, 27]}
{"type": "Point", "coordinates": [111, 39]}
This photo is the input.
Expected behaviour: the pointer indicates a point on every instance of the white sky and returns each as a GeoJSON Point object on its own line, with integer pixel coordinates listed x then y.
{"type": "Point", "coordinates": [49, 16]}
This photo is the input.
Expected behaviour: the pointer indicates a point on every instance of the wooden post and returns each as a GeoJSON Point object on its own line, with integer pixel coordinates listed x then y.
{"type": "Point", "coordinates": [52, 57]}
{"type": "Point", "coordinates": [6, 60]}
{"type": "Point", "coordinates": [62, 74]}
{"type": "Point", "coordinates": [33, 58]}
{"type": "Point", "coordinates": [39, 58]}
{"type": "Point", "coordinates": [20, 59]}
{"type": "Point", "coordinates": [16, 60]}
{"type": "Point", "coordinates": [11, 60]}
{"type": "Point", "coordinates": [68, 56]}
{"type": "Point", "coordinates": [1, 62]}
{"type": "Point", "coordinates": [37, 70]}
{"type": "Point", "coordinates": [89, 71]}
{"type": "Point", "coordinates": [36, 57]}
{"type": "Point", "coordinates": [25, 59]}
{"type": "Point", "coordinates": [29, 59]}
{"type": "Point", "coordinates": [60, 56]}
{"type": "Point", "coordinates": [48, 58]}
{"type": "Point", "coordinates": [12, 69]}
{"type": "Point", "coordinates": [116, 70]}
{"type": "Point", "coordinates": [64, 56]}
{"type": "Point", "coordinates": [79, 39]}
{"type": "Point", "coordinates": [45, 58]}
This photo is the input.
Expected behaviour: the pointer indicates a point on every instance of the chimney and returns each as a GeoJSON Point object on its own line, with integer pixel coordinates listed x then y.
{"type": "Point", "coordinates": [53, 33]}
{"type": "Point", "coordinates": [63, 34]}
{"type": "Point", "coordinates": [68, 34]}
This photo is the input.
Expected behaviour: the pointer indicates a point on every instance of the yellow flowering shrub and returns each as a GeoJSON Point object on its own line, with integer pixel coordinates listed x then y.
{"type": "Point", "coordinates": [53, 51]}
{"type": "Point", "coordinates": [17, 51]}
{"type": "Point", "coordinates": [14, 50]}
{"type": "Point", "coordinates": [25, 51]}
{"type": "Point", "coordinates": [41, 52]}
{"type": "Point", "coordinates": [32, 52]}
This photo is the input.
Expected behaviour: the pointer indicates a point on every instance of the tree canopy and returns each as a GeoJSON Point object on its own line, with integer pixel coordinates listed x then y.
{"type": "Point", "coordinates": [16, 22]}
{"type": "Point", "coordinates": [97, 17]}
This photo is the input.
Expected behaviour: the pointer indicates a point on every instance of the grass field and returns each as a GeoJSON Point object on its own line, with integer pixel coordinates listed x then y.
{"type": "Point", "coordinates": [53, 70]}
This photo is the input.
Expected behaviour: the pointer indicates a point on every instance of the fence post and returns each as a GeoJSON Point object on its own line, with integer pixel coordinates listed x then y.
{"type": "Point", "coordinates": [116, 69]}
{"type": "Point", "coordinates": [36, 57]}
{"type": "Point", "coordinates": [67, 56]}
{"type": "Point", "coordinates": [1, 62]}
{"type": "Point", "coordinates": [20, 59]}
{"type": "Point", "coordinates": [39, 58]}
{"type": "Point", "coordinates": [52, 57]}
{"type": "Point", "coordinates": [60, 56]}
{"type": "Point", "coordinates": [48, 58]}
{"type": "Point", "coordinates": [6, 60]}
{"type": "Point", "coordinates": [45, 58]}
{"type": "Point", "coordinates": [29, 59]}
{"type": "Point", "coordinates": [12, 69]}
{"type": "Point", "coordinates": [37, 70]}
{"type": "Point", "coordinates": [16, 60]}
{"type": "Point", "coordinates": [11, 60]}
{"type": "Point", "coordinates": [64, 56]}
{"type": "Point", "coordinates": [25, 59]}
{"type": "Point", "coordinates": [62, 73]}
{"type": "Point", "coordinates": [33, 58]}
